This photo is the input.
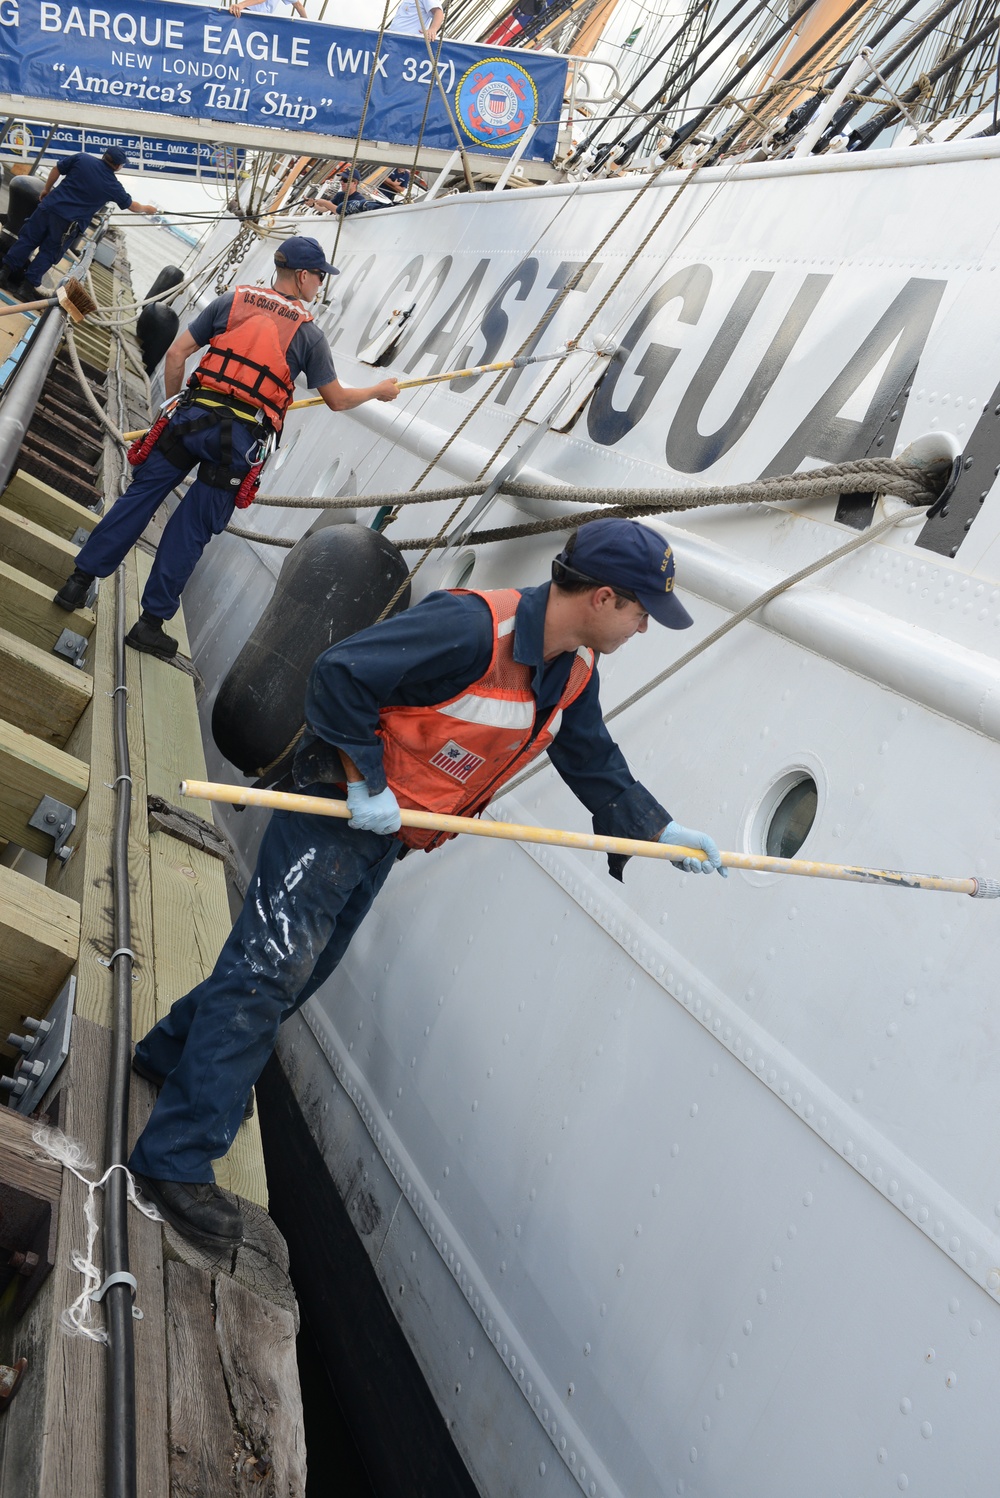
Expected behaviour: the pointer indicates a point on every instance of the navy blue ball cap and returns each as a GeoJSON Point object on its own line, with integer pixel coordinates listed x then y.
{"type": "Point", "coordinates": [624, 554]}
{"type": "Point", "coordinates": [116, 156]}
{"type": "Point", "coordinates": [302, 253]}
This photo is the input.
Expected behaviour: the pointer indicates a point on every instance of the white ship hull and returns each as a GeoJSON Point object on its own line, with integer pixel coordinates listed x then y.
{"type": "Point", "coordinates": [683, 1186]}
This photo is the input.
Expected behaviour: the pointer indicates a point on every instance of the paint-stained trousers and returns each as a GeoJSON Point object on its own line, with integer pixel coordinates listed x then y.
{"type": "Point", "coordinates": [314, 883]}
{"type": "Point", "coordinates": [203, 512]}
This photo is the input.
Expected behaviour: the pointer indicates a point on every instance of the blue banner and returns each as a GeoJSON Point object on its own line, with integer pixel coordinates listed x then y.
{"type": "Point", "coordinates": [183, 159]}
{"type": "Point", "coordinates": [205, 64]}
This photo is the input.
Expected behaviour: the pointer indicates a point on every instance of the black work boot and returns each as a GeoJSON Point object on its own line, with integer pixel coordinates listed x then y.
{"type": "Point", "coordinates": [75, 590]}
{"type": "Point", "coordinates": [147, 635]}
{"type": "Point", "coordinates": [156, 1080]}
{"type": "Point", "coordinates": [198, 1210]}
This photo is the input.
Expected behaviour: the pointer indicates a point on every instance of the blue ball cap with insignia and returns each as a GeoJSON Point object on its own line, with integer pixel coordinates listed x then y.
{"type": "Point", "coordinates": [303, 253]}
{"type": "Point", "coordinates": [631, 557]}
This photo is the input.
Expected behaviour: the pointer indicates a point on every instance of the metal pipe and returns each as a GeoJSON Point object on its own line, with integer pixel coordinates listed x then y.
{"type": "Point", "coordinates": [21, 398]}
{"type": "Point", "coordinates": [120, 1432]}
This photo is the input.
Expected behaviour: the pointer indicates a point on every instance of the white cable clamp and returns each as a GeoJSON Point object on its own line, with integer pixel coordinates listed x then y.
{"type": "Point", "coordinates": [112, 785]}
{"type": "Point", "coordinates": [118, 952]}
{"type": "Point", "coordinates": [121, 1278]}
{"type": "Point", "coordinates": [120, 688]}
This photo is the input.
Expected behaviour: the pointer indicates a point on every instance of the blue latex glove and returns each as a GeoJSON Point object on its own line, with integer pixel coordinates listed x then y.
{"type": "Point", "coordinates": [372, 813]}
{"type": "Point", "coordinates": [683, 837]}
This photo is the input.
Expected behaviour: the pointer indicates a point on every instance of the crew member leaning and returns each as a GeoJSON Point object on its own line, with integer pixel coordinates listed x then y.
{"type": "Point", "coordinates": [76, 188]}
{"type": "Point", "coordinates": [435, 709]}
{"type": "Point", "coordinates": [259, 342]}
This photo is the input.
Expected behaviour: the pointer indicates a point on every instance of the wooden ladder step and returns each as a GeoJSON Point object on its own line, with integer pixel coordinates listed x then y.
{"type": "Point", "coordinates": [40, 941]}
{"type": "Point", "coordinates": [29, 770]}
{"type": "Point", "coordinates": [27, 610]}
{"type": "Point", "coordinates": [34, 550]}
{"type": "Point", "coordinates": [39, 502]}
{"type": "Point", "coordinates": [42, 693]}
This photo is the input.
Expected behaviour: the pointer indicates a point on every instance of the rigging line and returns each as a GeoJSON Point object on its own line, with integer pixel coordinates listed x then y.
{"type": "Point", "coordinates": [773, 94]}
{"type": "Point", "coordinates": [578, 151]}
{"type": "Point", "coordinates": [903, 517]}
{"type": "Point", "coordinates": [633, 256]}
{"type": "Point", "coordinates": [867, 133]}
{"type": "Point", "coordinates": [542, 323]}
{"type": "Point", "coordinates": [460, 145]}
{"type": "Point", "coordinates": [801, 116]}
{"type": "Point", "coordinates": [658, 114]}
{"type": "Point", "coordinates": [717, 100]}
{"type": "Point", "coordinates": [427, 108]}
{"type": "Point", "coordinates": [361, 125]}
{"type": "Point", "coordinates": [895, 57]}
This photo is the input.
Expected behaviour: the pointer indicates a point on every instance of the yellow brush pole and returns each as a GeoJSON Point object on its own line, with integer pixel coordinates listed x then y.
{"type": "Point", "coordinates": [451, 374]}
{"type": "Point", "coordinates": [204, 790]}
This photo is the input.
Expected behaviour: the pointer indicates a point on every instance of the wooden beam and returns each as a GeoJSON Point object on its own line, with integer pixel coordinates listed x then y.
{"type": "Point", "coordinates": [42, 693]}
{"type": "Point", "coordinates": [40, 941]}
{"type": "Point", "coordinates": [29, 770]}
{"type": "Point", "coordinates": [27, 610]}
{"type": "Point", "coordinates": [44, 505]}
{"type": "Point", "coordinates": [34, 550]}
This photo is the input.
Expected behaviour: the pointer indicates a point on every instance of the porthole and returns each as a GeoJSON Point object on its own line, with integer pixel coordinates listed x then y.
{"type": "Point", "coordinates": [780, 820]}
{"type": "Point", "coordinates": [284, 452]}
{"type": "Point", "coordinates": [452, 568]}
{"type": "Point", "coordinates": [792, 819]}
{"type": "Point", "coordinates": [323, 485]}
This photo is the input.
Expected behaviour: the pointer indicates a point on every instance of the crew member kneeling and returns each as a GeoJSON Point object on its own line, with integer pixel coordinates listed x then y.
{"type": "Point", "coordinates": [436, 708]}
{"type": "Point", "coordinates": [259, 342]}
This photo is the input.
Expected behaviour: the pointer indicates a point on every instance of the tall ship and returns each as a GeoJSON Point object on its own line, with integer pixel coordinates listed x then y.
{"type": "Point", "coordinates": [673, 1185]}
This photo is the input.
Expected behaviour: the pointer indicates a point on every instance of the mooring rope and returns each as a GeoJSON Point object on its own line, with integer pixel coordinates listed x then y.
{"type": "Point", "coordinates": [915, 486]}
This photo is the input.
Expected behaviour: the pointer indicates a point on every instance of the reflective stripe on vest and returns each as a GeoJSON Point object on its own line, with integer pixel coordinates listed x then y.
{"type": "Point", "coordinates": [249, 359]}
{"type": "Point", "coordinates": [454, 756]}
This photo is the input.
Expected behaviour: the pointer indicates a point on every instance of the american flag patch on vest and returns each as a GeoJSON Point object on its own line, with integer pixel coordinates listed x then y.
{"type": "Point", "coordinates": [455, 761]}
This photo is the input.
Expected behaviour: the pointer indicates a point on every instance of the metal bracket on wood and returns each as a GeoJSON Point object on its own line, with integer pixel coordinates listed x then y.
{"type": "Point", "coordinates": [58, 820]}
{"type": "Point", "coordinates": [80, 536]}
{"type": "Point", "coordinates": [43, 1051]}
{"type": "Point", "coordinates": [121, 1278]}
{"type": "Point", "coordinates": [72, 647]}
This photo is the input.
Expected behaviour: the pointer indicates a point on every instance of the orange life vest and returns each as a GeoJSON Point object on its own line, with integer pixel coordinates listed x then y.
{"type": "Point", "coordinates": [453, 757]}
{"type": "Point", "coordinates": [249, 359]}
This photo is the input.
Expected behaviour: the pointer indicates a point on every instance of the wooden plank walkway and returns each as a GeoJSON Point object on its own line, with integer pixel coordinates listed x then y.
{"type": "Point", "coordinates": [219, 1411]}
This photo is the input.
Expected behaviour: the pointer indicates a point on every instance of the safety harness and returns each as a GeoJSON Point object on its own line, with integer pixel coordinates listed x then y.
{"type": "Point", "coordinates": [231, 384]}
{"type": "Point", "coordinates": [170, 442]}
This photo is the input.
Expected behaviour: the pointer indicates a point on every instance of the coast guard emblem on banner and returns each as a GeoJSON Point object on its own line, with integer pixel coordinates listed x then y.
{"type": "Point", "coordinates": [496, 101]}
{"type": "Point", "coordinates": [457, 762]}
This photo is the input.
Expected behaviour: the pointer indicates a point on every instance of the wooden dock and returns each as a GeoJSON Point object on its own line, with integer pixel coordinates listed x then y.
{"type": "Point", "coordinates": [219, 1410]}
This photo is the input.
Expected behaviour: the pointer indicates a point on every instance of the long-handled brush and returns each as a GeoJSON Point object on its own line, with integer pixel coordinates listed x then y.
{"type": "Point", "coordinates": [978, 888]}
{"type": "Point", "coordinates": [72, 296]}
{"type": "Point", "coordinates": [521, 362]}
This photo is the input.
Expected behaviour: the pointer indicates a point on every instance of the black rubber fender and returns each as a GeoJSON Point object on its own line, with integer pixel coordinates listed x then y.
{"type": "Point", "coordinates": [170, 275]}
{"type": "Point", "coordinates": [156, 329]}
{"type": "Point", "coordinates": [334, 582]}
{"type": "Point", "coordinates": [22, 201]}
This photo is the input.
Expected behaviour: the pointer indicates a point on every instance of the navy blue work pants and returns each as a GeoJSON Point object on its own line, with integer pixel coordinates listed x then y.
{"type": "Point", "coordinates": [314, 883]}
{"type": "Point", "coordinates": [43, 231]}
{"type": "Point", "coordinates": [202, 513]}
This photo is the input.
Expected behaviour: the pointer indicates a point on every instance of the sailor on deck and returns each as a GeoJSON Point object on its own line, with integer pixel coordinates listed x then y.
{"type": "Point", "coordinates": [76, 188]}
{"type": "Point", "coordinates": [436, 708]}
{"type": "Point", "coordinates": [259, 341]}
{"type": "Point", "coordinates": [417, 18]}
